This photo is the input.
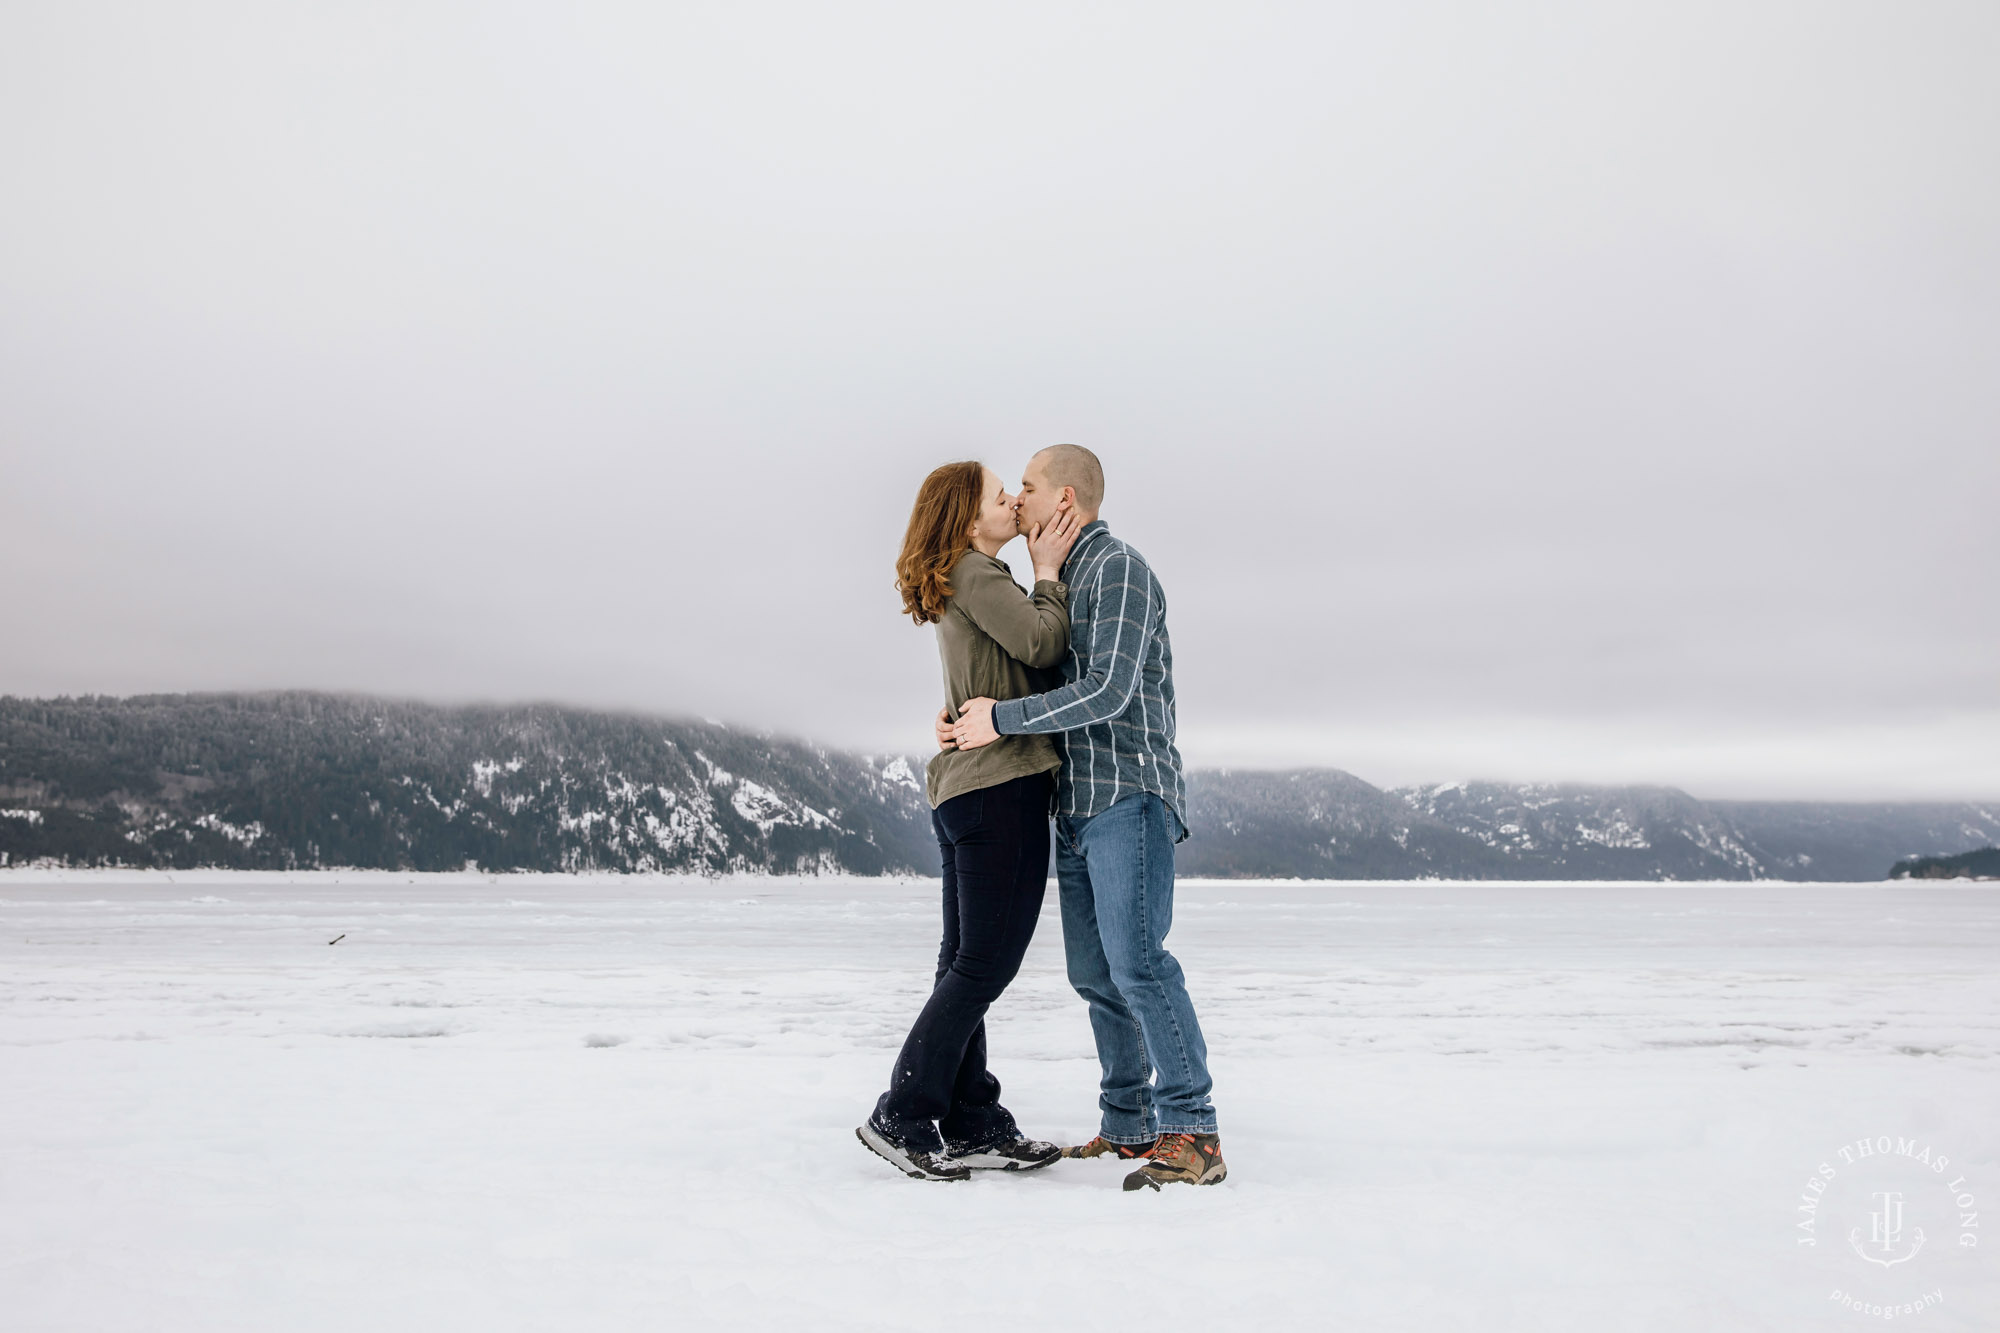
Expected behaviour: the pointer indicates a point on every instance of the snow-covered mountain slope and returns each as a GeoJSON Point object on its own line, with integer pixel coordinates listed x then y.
{"type": "Point", "coordinates": [297, 780]}
{"type": "Point", "coordinates": [1323, 822]}
{"type": "Point", "coordinates": [1594, 832]}
{"type": "Point", "coordinates": [283, 781]}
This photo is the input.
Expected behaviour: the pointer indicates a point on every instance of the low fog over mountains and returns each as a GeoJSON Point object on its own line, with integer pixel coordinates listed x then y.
{"type": "Point", "coordinates": [1322, 822]}
{"type": "Point", "coordinates": [284, 781]}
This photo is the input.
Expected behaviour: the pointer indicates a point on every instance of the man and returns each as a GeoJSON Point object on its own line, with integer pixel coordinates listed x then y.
{"type": "Point", "coordinates": [1120, 810]}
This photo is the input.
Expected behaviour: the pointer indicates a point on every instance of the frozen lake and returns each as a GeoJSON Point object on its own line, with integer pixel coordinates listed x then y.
{"type": "Point", "coordinates": [607, 1104]}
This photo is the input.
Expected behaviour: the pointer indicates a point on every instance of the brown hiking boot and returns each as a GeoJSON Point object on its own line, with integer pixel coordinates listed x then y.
{"type": "Point", "coordinates": [1181, 1159]}
{"type": "Point", "coordinates": [1103, 1147]}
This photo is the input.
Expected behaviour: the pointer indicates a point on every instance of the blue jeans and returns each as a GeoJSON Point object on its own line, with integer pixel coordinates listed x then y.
{"type": "Point", "coordinates": [1115, 871]}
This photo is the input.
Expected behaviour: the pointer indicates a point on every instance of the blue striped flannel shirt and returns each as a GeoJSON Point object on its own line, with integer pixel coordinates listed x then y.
{"type": "Point", "coordinates": [1113, 716]}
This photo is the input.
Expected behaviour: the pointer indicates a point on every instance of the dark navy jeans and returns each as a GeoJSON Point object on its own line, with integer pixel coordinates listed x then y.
{"type": "Point", "coordinates": [1116, 874]}
{"type": "Point", "coordinates": [995, 844]}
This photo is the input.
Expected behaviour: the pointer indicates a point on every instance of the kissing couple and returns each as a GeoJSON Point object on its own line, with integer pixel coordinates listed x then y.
{"type": "Point", "coordinates": [1058, 702]}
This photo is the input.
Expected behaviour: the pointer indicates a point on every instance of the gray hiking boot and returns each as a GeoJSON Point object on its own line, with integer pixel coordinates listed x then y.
{"type": "Point", "coordinates": [1015, 1154]}
{"type": "Point", "coordinates": [919, 1163]}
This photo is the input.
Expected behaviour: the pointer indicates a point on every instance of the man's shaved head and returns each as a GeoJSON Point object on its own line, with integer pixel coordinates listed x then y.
{"type": "Point", "coordinates": [1073, 465]}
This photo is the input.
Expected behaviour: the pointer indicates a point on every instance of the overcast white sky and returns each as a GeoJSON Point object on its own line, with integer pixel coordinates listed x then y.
{"type": "Point", "coordinates": [1601, 392]}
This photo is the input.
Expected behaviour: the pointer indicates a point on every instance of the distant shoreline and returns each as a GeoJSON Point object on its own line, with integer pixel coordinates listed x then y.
{"type": "Point", "coordinates": [12, 875]}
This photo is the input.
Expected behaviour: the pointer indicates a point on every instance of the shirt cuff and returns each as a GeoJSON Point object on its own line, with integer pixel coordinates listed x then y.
{"type": "Point", "coordinates": [1000, 726]}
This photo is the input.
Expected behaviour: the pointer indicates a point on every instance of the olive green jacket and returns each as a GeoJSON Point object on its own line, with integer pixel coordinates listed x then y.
{"type": "Point", "coordinates": [997, 642]}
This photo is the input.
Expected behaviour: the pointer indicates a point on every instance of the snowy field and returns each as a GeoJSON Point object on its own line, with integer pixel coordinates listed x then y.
{"type": "Point", "coordinates": [608, 1104]}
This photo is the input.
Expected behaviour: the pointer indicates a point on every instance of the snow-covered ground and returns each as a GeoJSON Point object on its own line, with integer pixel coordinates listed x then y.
{"type": "Point", "coordinates": [607, 1104]}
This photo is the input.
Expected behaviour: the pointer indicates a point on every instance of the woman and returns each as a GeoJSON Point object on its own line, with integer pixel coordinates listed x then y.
{"type": "Point", "coordinates": [941, 1116]}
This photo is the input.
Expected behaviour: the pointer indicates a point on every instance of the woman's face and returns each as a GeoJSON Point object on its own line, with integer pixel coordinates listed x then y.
{"type": "Point", "coordinates": [995, 524]}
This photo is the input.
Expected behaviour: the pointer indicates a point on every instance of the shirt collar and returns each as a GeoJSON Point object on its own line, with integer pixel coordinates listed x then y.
{"type": "Point", "coordinates": [1084, 538]}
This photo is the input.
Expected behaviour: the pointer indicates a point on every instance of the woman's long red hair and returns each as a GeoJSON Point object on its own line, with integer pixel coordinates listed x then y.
{"type": "Point", "coordinates": [940, 530]}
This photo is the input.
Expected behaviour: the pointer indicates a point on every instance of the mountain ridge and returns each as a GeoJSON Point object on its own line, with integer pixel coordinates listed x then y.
{"type": "Point", "coordinates": [299, 779]}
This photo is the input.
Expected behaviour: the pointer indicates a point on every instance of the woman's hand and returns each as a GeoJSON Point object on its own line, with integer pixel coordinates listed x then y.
{"type": "Point", "coordinates": [1049, 543]}
{"type": "Point", "coordinates": [946, 738]}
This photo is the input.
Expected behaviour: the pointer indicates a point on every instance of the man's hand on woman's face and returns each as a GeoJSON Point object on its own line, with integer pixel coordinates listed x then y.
{"type": "Point", "coordinates": [975, 724]}
{"type": "Point", "coordinates": [945, 739]}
